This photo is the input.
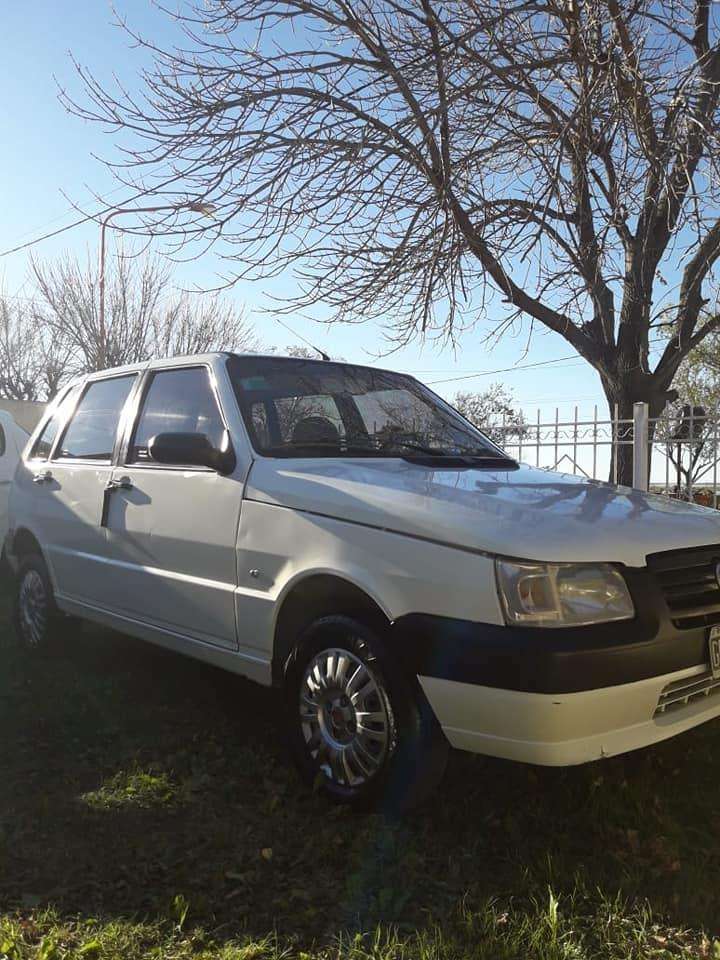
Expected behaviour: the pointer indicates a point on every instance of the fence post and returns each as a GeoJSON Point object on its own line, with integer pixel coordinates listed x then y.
{"type": "Point", "coordinates": [640, 446]}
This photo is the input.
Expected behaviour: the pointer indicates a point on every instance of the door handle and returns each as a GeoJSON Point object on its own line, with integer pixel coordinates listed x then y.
{"type": "Point", "coordinates": [121, 483]}
{"type": "Point", "coordinates": [116, 483]}
{"type": "Point", "coordinates": [45, 476]}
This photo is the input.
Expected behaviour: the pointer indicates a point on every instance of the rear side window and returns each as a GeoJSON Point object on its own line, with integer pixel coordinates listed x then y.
{"type": "Point", "coordinates": [91, 432]}
{"type": "Point", "coordinates": [177, 401]}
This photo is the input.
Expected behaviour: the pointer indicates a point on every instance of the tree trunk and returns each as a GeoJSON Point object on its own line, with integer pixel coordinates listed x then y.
{"type": "Point", "coordinates": [622, 394]}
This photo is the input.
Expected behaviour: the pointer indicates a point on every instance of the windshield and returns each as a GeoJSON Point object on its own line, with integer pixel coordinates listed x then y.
{"type": "Point", "coordinates": [315, 408]}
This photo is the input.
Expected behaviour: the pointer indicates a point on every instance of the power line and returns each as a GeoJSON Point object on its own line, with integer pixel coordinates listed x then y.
{"type": "Point", "coordinates": [524, 366]}
{"type": "Point", "coordinates": [573, 359]}
{"type": "Point", "coordinates": [92, 216]}
{"type": "Point", "coordinates": [10, 296]}
{"type": "Point", "coordinates": [61, 216]}
{"type": "Point", "coordinates": [557, 400]}
{"type": "Point", "coordinates": [47, 236]}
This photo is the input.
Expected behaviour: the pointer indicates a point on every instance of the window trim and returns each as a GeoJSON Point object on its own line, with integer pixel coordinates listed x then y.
{"type": "Point", "coordinates": [135, 413]}
{"type": "Point", "coordinates": [90, 382]}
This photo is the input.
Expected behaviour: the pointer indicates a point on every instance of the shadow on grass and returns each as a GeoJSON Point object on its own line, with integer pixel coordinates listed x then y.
{"type": "Point", "coordinates": [139, 783]}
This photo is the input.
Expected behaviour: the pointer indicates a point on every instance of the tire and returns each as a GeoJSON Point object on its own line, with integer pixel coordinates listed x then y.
{"type": "Point", "coordinates": [35, 615]}
{"type": "Point", "coordinates": [391, 758]}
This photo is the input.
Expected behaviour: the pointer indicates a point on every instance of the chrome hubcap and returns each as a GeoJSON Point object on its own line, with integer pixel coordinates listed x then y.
{"type": "Point", "coordinates": [344, 717]}
{"type": "Point", "coordinates": [33, 607]}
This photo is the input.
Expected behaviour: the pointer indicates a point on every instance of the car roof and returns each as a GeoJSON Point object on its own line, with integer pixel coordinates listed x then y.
{"type": "Point", "coordinates": [183, 361]}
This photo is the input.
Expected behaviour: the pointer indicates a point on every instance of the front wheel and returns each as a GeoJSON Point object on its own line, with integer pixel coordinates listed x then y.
{"type": "Point", "coordinates": [361, 730]}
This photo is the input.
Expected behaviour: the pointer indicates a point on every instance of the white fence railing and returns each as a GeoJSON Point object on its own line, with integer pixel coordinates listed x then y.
{"type": "Point", "coordinates": [677, 455]}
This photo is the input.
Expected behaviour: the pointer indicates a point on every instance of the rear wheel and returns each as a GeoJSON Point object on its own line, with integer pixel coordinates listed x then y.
{"type": "Point", "coordinates": [35, 614]}
{"type": "Point", "coordinates": [361, 730]}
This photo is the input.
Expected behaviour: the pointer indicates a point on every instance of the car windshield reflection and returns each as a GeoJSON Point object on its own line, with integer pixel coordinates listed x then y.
{"type": "Point", "coordinates": [308, 408]}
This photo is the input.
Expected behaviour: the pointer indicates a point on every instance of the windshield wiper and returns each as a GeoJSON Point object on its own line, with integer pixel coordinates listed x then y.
{"type": "Point", "coordinates": [370, 446]}
{"type": "Point", "coordinates": [473, 454]}
{"type": "Point", "coordinates": [370, 449]}
{"type": "Point", "coordinates": [421, 448]}
{"type": "Point", "coordinates": [489, 460]}
{"type": "Point", "coordinates": [452, 461]}
{"type": "Point", "coordinates": [477, 454]}
{"type": "Point", "coordinates": [339, 446]}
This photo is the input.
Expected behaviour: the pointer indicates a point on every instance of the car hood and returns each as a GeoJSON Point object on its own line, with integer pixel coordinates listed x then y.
{"type": "Point", "coordinates": [526, 513]}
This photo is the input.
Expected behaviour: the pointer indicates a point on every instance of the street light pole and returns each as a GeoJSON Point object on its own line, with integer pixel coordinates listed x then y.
{"type": "Point", "coordinates": [196, 206]}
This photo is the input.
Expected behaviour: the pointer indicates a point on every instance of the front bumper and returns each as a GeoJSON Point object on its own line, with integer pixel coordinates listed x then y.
{"type": "Point", "coordinates": [562, 729]}
{"type": "Point", "coordinates": [555, 659]}
{"type": "Point", "coordinates": [561, 696]}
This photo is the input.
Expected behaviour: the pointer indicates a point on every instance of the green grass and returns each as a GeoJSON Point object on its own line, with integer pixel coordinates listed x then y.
{"type": "Point", "coordinates": [147, 810]}
{"type": "Point", "coordinates": [133, 788]}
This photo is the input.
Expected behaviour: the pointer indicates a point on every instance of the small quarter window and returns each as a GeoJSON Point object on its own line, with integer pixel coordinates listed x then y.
{"type": "Point", "coordinates": [177, 401]}
{"type": "Point", "coordinates": [44, 443]}
{"type": "Point", "coordinates": [91, 432]}
{"type": "Point", "coordinates": [42, 447]}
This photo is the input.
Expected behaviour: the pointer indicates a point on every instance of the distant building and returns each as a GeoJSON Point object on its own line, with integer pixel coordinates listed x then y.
{"type": "Point", "coordinates": [25, 413]}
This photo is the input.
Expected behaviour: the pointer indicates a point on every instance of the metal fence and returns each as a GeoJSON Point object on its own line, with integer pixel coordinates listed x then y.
{"type": "Point", "coordinates": [677, 455]}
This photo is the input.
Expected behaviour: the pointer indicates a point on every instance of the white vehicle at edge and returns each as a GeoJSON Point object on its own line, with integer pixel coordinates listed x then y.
{"type": "Point", "coordinates": [341, 532]}
{"type": "Point", "coordinates": [12, 441]}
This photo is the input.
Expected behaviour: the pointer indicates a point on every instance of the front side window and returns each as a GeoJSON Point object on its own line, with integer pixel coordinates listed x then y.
{"type": "Point", "coordinates": [298, 407]}
{"type": "Point", "coordinates": [177, 401]}
{"type": "Point", "coordinates": [91, 432]}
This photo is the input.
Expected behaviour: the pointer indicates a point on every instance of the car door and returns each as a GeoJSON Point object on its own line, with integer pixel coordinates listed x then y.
{"type": "Point", "coordinates": [9, 456]}
{"type": "Point", "coordinates": [172, 529]}
{"type": "Point", "coordinates": [33, 495]}
{"type": "Point", "coordinates": [70, 488]}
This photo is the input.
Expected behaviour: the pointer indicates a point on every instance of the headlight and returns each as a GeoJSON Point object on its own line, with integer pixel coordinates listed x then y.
{"type": "Point", "coordinates": [562, 594]}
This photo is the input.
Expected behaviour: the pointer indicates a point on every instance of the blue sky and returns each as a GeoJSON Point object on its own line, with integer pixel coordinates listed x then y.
{"type": "Point", "coordinates": [47, 152]}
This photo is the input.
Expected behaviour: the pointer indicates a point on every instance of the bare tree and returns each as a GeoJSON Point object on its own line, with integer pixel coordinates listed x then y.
{"type": "Point", "coordinates": [67, 291]}
{"type": "Point", "coordinates": [18, 368]}
{"type": "Point", "coordinates": [301, 352]}
{"type": "Point", "coordinates": [194, 323]}
{"type": "Point", "coordinates": [685, 436]}
{"type": "Point", "coordinates": [494, 412]}
{"type": "Point", "coordinates": [144, 317]}
{"type": "Point", "coordinates": [32, 358]}
{"type": "Point", "coordinates": [689, 427]}
{"type": "Point", "coordinates": [408, 158]}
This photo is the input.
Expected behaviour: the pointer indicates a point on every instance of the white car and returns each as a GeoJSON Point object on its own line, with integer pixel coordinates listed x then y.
{"type": "Point", "coordinates": [341, 532]}
{"type": "Point", "coordinates": [12, 441]}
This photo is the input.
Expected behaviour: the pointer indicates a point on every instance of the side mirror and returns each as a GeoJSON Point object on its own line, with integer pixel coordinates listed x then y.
{"type": "Point", "coordinates": [192, 450]}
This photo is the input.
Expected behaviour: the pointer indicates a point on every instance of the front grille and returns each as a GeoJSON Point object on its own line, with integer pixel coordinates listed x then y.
{"type": "Point", "coordinates": [689, 584]}
{"type": "Point", "coordinates": [680, 693]}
